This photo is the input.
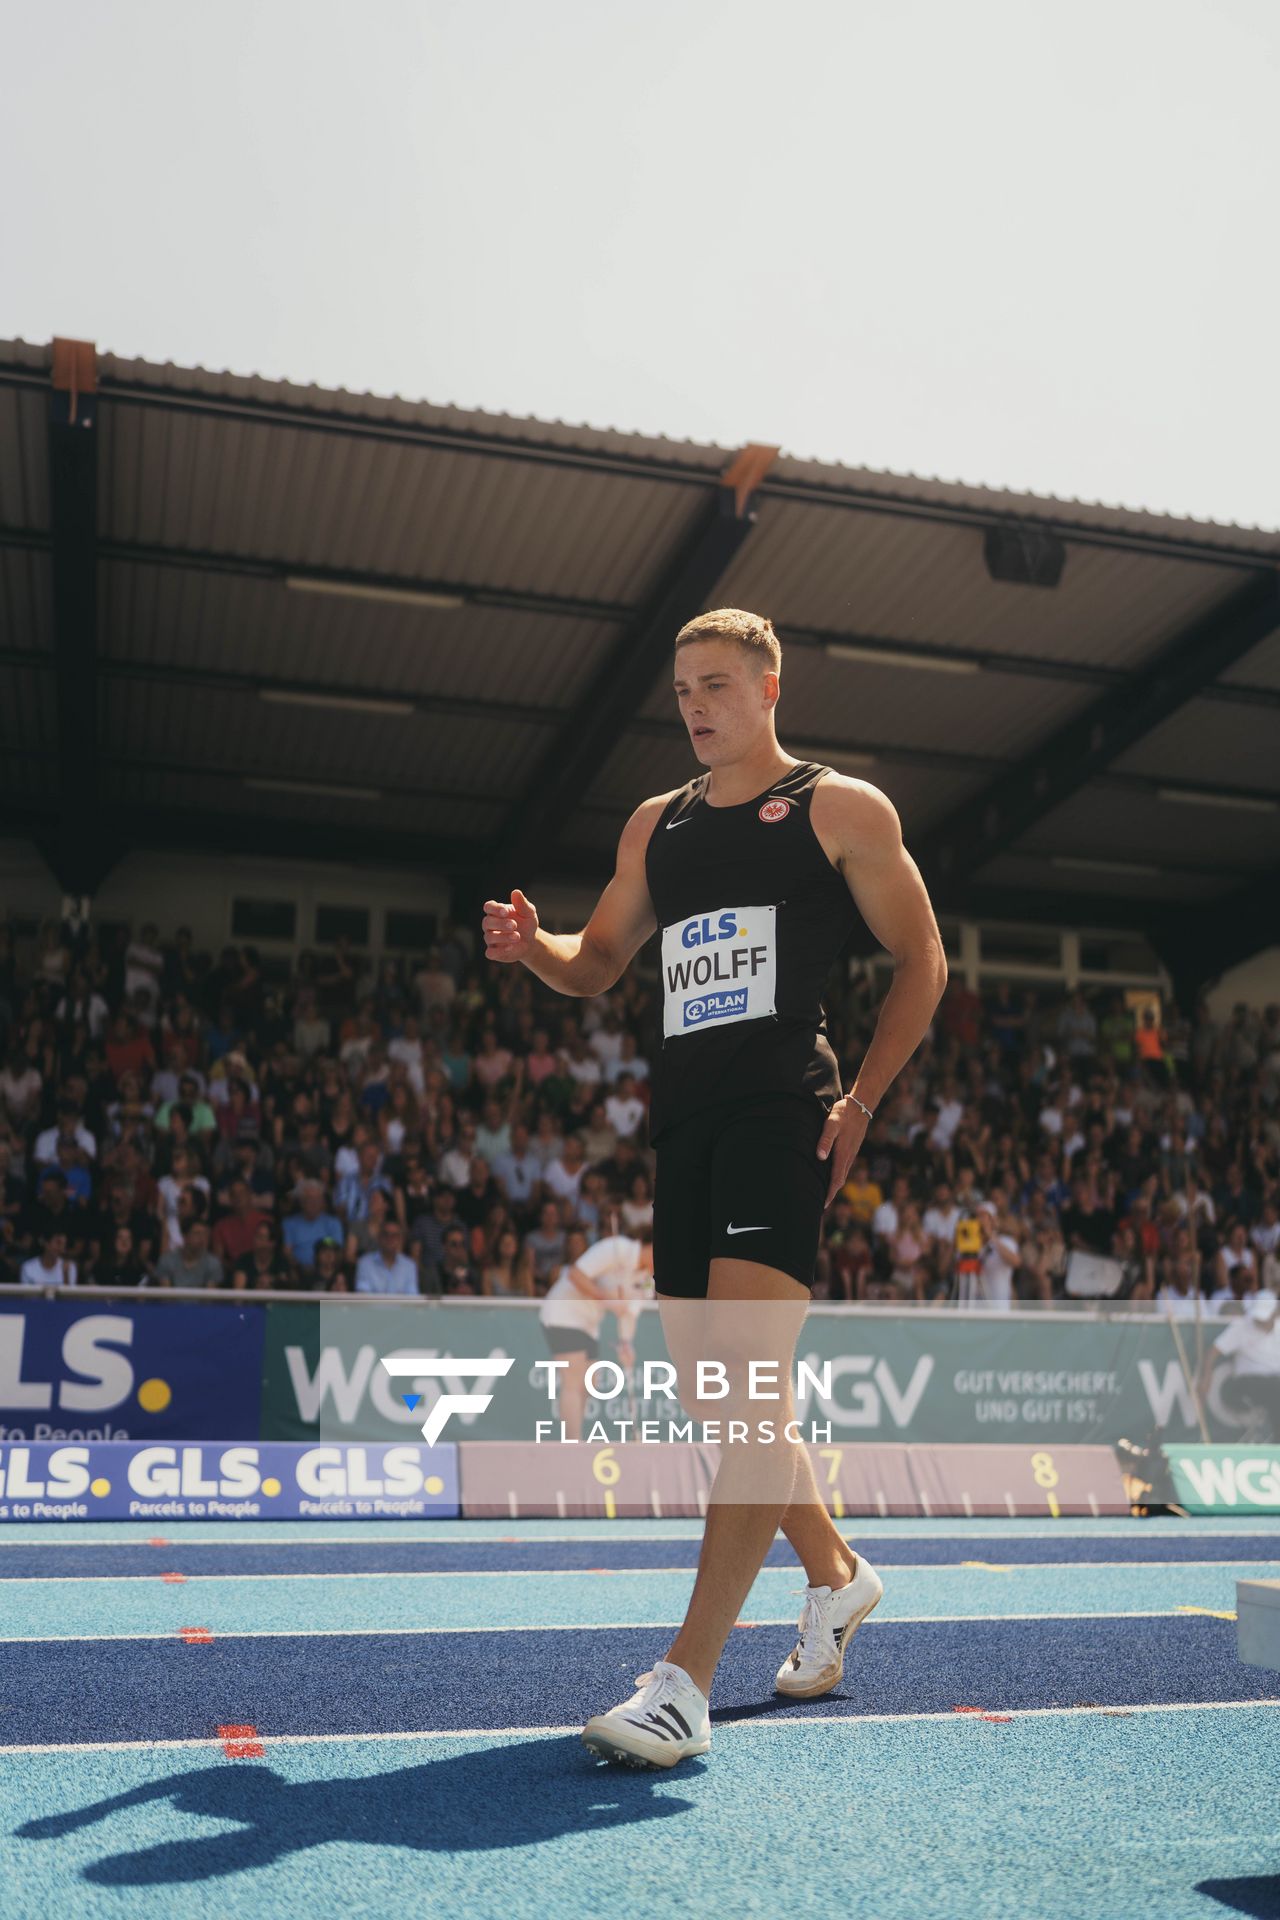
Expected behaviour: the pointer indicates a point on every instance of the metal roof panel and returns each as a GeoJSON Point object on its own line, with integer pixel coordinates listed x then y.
{"type": "Point", "coordinates": [1212, 743]}
{"type": "Point", "coordinates": [864, 575]}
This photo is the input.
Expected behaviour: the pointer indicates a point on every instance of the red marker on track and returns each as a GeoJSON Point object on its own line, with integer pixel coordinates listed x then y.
{"type": "Point", "coordinates": [240, 1743]}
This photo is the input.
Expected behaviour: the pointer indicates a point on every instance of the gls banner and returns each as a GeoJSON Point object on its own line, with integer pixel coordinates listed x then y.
{"type": "Point", "coordinates": [76, 1370]}
{"type": "Point", "coordinates": [116, 1480]}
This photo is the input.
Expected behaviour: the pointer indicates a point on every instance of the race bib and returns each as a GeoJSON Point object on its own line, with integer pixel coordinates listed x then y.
{"type": "Point", "coordinates": [718, 968]}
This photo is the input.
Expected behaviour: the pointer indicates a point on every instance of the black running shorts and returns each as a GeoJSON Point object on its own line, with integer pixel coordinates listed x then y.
{"type": "Point", "coordinates": [739, 1181]}
{"type": "Point", "coordinates": [572, 1340]}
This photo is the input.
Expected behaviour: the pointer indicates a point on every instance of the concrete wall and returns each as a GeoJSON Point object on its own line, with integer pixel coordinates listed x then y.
{"type": "Point", "coordinates": [1256, 982]}
{"type": "Point", "coordinates": [197, 890]}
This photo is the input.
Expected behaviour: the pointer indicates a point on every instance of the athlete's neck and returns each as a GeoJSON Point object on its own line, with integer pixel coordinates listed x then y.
{"type": "Point", "coordinates": [730, 785]}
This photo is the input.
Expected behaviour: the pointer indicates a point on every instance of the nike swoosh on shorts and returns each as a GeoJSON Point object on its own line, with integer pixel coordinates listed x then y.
{"type": "Point", "coordinates": [732, 1229]}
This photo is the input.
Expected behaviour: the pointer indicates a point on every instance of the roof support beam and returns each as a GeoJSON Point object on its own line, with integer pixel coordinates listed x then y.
{"type": "Point", "coordinates": [77, 850]}
{"type": "Point", "coordinates": [620, 687]}
{"type": "Point", "coordinates": [995, 819]}
{"type": "Point", "coordinates": [338, 582]}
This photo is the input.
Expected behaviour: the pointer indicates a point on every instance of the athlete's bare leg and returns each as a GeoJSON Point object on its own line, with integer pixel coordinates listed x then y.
{"type": "Point", "coordinates": [819, 1544]}
{"type": "Point", "coordinates": [572, 1403]}
{"type": "Point", "coordinates": [754, 1484]}
{"type": "Point", "coordinates": [821, 1548]}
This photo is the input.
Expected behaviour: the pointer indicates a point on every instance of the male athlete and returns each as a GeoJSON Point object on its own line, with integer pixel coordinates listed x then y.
{"type": "Point", "coordinates": [755, 872]}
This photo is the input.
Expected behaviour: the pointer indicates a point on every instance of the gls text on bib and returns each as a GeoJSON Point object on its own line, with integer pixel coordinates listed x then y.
{"type": "Point", "coordinates": [718, 968]}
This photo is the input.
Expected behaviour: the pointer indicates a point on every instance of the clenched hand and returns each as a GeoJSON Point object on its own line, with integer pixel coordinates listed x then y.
{"type": "Point", "coordinates": [509, 931]}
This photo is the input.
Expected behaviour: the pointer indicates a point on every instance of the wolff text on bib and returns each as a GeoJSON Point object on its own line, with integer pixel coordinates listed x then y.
{"type": "Point", "coordinates": [719, 967]}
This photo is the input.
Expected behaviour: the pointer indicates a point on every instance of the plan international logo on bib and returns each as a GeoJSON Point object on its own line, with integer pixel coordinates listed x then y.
{"type": "Point", "coordinates": [719, 966]}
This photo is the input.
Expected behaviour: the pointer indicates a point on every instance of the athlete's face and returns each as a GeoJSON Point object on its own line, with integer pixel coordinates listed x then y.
{"type": "Point", "coordinates": [725, 700]}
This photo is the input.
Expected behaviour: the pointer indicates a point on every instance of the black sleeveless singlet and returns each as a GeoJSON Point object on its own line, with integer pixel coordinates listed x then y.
{"type": "Point", "coordinates": [751, 916]}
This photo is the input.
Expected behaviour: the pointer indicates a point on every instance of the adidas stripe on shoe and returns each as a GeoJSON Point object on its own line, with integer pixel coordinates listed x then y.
{"type": "Point", "coordinates": [828, 1621]}
{"type": "Point", "coordinates": [664, 1721]}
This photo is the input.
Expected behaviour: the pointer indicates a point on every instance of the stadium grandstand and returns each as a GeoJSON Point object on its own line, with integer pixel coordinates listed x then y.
{"type": "Point", "coordinates": [292, 680]}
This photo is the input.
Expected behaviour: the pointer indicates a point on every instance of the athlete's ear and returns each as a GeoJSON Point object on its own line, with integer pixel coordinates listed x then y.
{"type": "Point", "coordinates": [772, 687]}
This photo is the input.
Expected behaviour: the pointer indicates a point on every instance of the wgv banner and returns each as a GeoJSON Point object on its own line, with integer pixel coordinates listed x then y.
{"type": "Point", "coordinates": [935, 1378]}
{"type": "Point", "coordinates": [120, 1370]}
{"type": "Point", "coordinates": [1240, 1480]}
{"type": "Point", "coordinates": [98, 1371]}
{"type": "Point", "coordinates": [117, 1480]}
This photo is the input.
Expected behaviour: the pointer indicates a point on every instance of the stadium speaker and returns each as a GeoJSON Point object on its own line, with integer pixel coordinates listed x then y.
{"type": "Point", "coordinates": [1028, 556]}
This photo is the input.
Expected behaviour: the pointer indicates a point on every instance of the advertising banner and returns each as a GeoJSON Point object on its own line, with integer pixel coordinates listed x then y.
{"type": "Point", "coordinates": [1225, 1479]}
{"type": "Point", "coordinates": [124, 1370]}
{"type": "Point", "coordinates": [939, 1377]}
{"type": "Point", "coordinates": [118, 1480]}
{"type": "Point", "coordinates": [501, 1480]}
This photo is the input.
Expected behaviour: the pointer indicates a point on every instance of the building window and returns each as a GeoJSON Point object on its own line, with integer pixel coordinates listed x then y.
{"type": "Point", "coordinates": [1021, 947]}
{"type": "Point", "coordinates": [1116, 953]}
{"type": "Point", "coordinates": [342, 923]}
{"type": "Point", "coordinates": [263, 919]}
{"type": "Point", "coordinates": [409, 931]}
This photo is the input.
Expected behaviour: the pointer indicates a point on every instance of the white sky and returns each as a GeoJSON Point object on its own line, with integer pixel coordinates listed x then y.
{"type": "Point", "coordinates": [1004, 241]}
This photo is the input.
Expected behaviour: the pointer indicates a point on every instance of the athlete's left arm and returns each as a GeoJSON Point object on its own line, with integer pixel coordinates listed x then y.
{"type": "Point", "coordinates": [859, 830]}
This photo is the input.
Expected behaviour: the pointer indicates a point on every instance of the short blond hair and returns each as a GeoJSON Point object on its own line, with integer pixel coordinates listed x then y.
{"type": "Point", "coordinates": [749, 630]}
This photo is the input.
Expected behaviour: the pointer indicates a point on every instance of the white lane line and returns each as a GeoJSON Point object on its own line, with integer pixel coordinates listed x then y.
{"type": "Point", "coordinates": [971, 1535]}
{"type": "Point", "coordinates": [589, 1573]}
{"type": "Point", "coordinates": [566, 1626]}
{"type": "Point", "coordinates": [722, 1727]}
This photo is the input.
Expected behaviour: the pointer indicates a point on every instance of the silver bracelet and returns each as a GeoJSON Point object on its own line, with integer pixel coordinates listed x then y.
{"type": "Point", "coordinates": [861, 1108]}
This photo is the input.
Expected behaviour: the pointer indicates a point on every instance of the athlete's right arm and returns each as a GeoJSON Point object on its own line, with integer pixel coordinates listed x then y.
{"type": "Point", "coordinates": [589, 962]}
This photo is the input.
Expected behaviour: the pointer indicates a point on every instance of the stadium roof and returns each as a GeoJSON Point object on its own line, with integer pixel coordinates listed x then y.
{"type": "Point", "coordinates": [239, 614]}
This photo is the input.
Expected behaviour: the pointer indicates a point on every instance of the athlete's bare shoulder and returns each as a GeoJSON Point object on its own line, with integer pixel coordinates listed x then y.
{"type": "Point", "coordinates": [624, 917]}
{"type": "Point", "coordinates": [854, 820]}
{"type": "Point", "coordinates": [634, 838]}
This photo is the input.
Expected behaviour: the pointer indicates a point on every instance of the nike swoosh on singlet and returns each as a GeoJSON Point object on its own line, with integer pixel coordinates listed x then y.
{"type": "Point", "coordinates": [732, 1229]}
{"type": "Point", "coordinates": [679, 823]}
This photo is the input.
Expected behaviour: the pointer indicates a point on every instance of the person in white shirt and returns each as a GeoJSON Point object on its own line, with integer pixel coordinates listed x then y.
{"type": "Point", "coordinates": [939, 1223]}
{"type": "Point", "coordinates": [1252, 1344]}
{"type": "Point", "coordinates": [1236, 1267]}
{"type": "Point", "coordinates": [1265, 1233]}
{"type": "Point", "coordinates": [606, 1042]}
{"type": "Point", "coordinates": [624, 1110]}
{"type": "Point", "coordinates": [20, 1087]}
{"type": "Point", "coordinates": [564, 1175]}
{"type": "Point", "coordinates": [406, 1048]}
{"type": "Point", "coordinates": [628, 1061]}
{"type": "Point", "coordinates": [950, 1114]}
{"type": "Point", "coordinates": [83, 1004]}
{"type": "Point", "coordinates": [143, 966]}
{"type": "Point", "coordinates": [185, 1174]}
{"type": "Point", "coordinates": [46, 1149]}
{"type": "Point", "coordinates": [1177, 1298]}
{"type": "Point", "coordinates": [50, 1267]}
{"type": "Point", "coordinates": [992, 1284]}
{"type": "Point", "coordinates": [454, 1166]}
{"type": "Point", "coordinates": [887, 1217]}
{"type": "Point", "coordinates": [582, 1067]}
{"type": "Point", "coordinates": [614, 1275]}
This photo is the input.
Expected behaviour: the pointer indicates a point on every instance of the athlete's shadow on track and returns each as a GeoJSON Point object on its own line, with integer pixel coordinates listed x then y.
{"type": "Point", "coordinates": [1258, 1896]}
{"type": "Point", "coordinates": [493, 1799]}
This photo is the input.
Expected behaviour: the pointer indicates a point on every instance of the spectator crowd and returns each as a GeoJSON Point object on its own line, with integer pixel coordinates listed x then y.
{"type": "Point", "coordinates": [175, 1119]}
